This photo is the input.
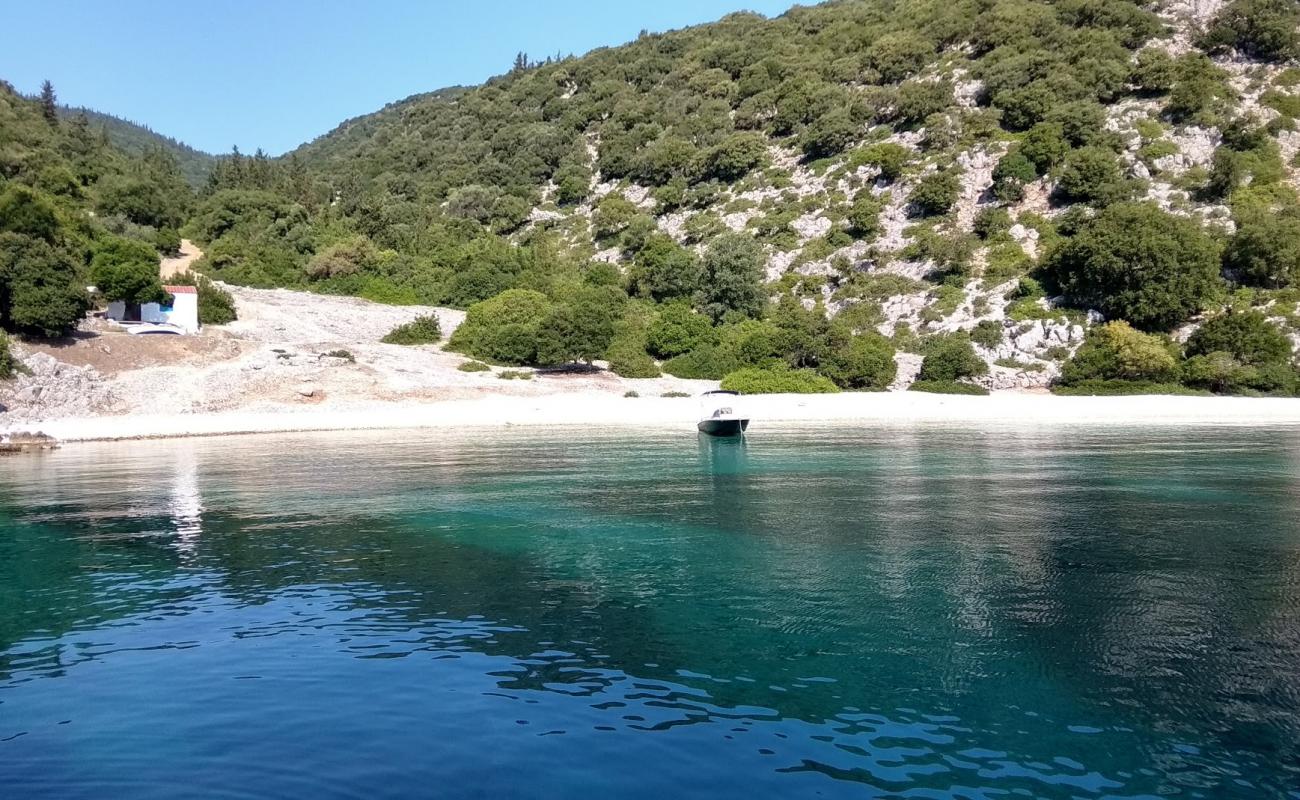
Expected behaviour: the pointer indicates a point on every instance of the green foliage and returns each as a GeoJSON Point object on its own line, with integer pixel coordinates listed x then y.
{"type": "Point", "coordinates": [706, 362]}
{"type": "Point", "coordinates": [1115, 351]}
{"type": "Point", "coordinates": [1013, 171]}
{"type": "Point", "coordinates": [503, 328]}
{"type": "Point", "coordinates": [1137, 263]}
{"type": "Point", "coordinates": [1199, 89]}
{"type": "Point", "coordinates": [126, 270]}
{"type": "Point", "coordinates": [514, 375]}
{"type": "Point", "coordinates": [1265, 251]}
{"type": "Point", "coordinates": [1045, 146]}
{"type": "Point", "coordinates": [9, 363]}
{"type": "Point", "coordinates": [424, 329]}
{"type": "Point", "coordinates": [777, 380]}
{"type": "Point", "coordinates": [950, 357]}
{"type": "Point", "coordinates": [735, 156]}
{"type": "Point", "coordinates": [889, 158]}
{"type": "Point", "coordinates": [864, 361]}
{"type": "Point", "coordinates": [1092, 175]}
{"type": "Point", "coordinates": [864, 216]}
{"type": "Point", "coordinates": [676, 330]}
{"type": "Point", "coordinates": [473, 366]}
{"type": "Point", "coordinates": [663, 270]}
{"type": "Point", "coordinates": [27, 212]}
{"type": "Point", "coordinates": [896, 56]}
{"type": "Point", "coordinates": [987, 334]}
{"type": "Point", "coordinates": [1105, 388]}
{"type": "Point", "coordinates": [39, 290]}
{"type": "Point", "coordinates": [1263, 29]}
{"type": "Point", "coordinates": [947, 387]}
{"type": "Point", "coordinates": [580, 329]}
{"type": "Point", "coordinates": [733, 277]}
{"type": "Point", "coordinates": [935, 194]}
{"type": "Point", "coordinates": [991, 222]}
{"type": "Point", "coordinates": [1246, 336]}
{"type": "Point", "coordinates": [167, 241]}
{"type": "Point", "coordinates": [831, 134]}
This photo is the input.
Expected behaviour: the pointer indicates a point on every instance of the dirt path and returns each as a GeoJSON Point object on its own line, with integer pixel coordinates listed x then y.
{"type": "Point", "coordinates": [181, 263]}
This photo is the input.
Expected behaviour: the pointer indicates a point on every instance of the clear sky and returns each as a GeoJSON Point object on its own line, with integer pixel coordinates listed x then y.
{"type": "Point", "coordinates": [277, 73]}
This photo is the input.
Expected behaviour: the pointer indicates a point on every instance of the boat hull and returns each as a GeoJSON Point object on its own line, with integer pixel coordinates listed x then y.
{"type": "Point", "coordinates": [723, 427]}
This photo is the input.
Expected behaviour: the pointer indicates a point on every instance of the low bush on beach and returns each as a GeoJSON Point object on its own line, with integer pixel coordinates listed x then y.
{"type": "Point", "coordinates": [515, 375]}
{"type": "Point", "coordinates": [947, 387]}
{"type": "Point", "coordinates": [345, 355]}
{"type": "Point", "coordinates": [777, 380]}
{"type": "Point", "coordinates": [473, 366]}
{"type": "Point", "coordinates": [675, 394]}
{"type": "Point", "coordinates": [1106, 388]}
{"type": "Point", "coordinates": [631, 394]}
{"type": "Point", "coordinates": [421, 330]}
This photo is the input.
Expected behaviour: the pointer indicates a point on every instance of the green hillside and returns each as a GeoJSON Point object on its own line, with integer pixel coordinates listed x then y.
{"type": "Point", "coordinates": [865, 192]}
{"type": "Point", "coordinates": [76, 210]}
{"type": "Point", "coordinates": [136, 139]}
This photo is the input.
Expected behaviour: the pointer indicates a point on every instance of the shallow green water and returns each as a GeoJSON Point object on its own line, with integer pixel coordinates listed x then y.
{"type": "Point", "coordinates": [898, 613]}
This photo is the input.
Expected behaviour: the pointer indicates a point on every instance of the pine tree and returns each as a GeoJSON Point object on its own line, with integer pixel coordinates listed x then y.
{"type": "Point", "coordinates": [521, 62]}
{"type": "Point", "coordinates": [49, 103]}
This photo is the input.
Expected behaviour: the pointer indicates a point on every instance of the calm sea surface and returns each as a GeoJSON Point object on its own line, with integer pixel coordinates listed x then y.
{"type": "Point", "coordinates": [912, 612]}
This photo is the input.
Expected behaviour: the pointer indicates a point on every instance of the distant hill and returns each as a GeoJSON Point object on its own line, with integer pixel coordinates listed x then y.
{"type": "Point", "coordinates": [135, 138]}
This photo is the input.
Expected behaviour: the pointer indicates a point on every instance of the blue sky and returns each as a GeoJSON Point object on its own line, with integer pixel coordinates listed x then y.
{"type": "Point", "coordinates": [277, 74]}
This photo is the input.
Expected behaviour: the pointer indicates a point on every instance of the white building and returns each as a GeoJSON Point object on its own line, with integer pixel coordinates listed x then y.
{"type": "Point", "coordinates": [183, 313]}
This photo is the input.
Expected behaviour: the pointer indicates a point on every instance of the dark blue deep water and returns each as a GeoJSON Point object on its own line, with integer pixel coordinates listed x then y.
{"type": "Point", "coordinates": [910, 612]}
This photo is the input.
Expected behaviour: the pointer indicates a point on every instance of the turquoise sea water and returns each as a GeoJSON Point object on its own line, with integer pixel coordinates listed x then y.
{"type": "Point", "coordinates": [921, 613]}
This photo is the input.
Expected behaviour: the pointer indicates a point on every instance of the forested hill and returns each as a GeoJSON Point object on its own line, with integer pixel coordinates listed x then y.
{"type": "Point", "coordinates": [137, 139]}
{"type": "Point", "coordinates": [76, 210]}
{"type": "Point", "coordinates": [852, 195]}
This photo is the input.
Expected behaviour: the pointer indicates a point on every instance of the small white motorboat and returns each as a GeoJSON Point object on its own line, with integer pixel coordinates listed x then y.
{"type": "Point", "coordinates": [719, 416]}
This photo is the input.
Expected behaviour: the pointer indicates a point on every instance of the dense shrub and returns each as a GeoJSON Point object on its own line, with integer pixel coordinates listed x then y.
{"type": "Point", "coordinates": [627, 357]}
{"type": "Point", "coordinates": [1091, 175]}
{"type": "Point", "coordinates": [1247, 336]}
{"type": "Point", "coordinates": [864, 216]}
{"type": "Point", "coordinates": [1013, 171]}
{"type": "Point", "coordinates": [777, 380]}
{"type": "Point", "coordinates": [127, 270]}
{"type": "Point", "coordinates": [1265, 251]}
{"type": "Point", "coordinates": [991, 222]}
{"type": "Point", "coordinates": [664, 270]}
{"type": "Point", "coordinates": [473, 366]}
{"type": "Point", "coordinates": [889, 158]}
{"type": "Point", "coordinates": [946, 387]}
{"type": "Point", "coordinates": [424, 329]}
{"type": "Point", "coordinates": [949, 358]}
{"type": "Point", "coordinates": [1264, 29]}
{"type": "Point", "coordinates": [935, 194]}
{"type": "Point", "coordinates": [708, 362]}
{"type": "Point", "coordinates": [503, 328]}
{"type": "Point", "coordinates": [580, 329]}
{"type": "Point", "coordinates": [987, 334]}
{"type": "Point", "coordinates": [678, 330]}
{"type": "Point", "coordinates": [733, 277]}
{"type": "Point", "coordinates": [1138, 263]}
{"type": "Point", "coordinates": [1105, 388]}
{"type": "Point", "coordinates": [167, 241]}
{"type": "Point", "coordinates": [1115, 351]}
{"type": "Point", "coordinates": [864, 361]}
{"type": "Point", "coordinates": [9, 363]}
{"type": "Point", "coordinates": [27, 212]}
{"type": "Point", "coordinates": [39, 290]}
